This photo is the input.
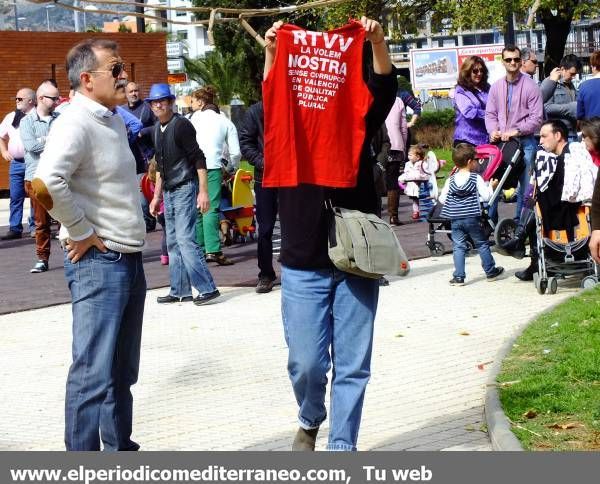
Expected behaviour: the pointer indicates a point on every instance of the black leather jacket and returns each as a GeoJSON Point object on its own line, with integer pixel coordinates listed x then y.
{"type": "Point", "coordinates": [252, 139]}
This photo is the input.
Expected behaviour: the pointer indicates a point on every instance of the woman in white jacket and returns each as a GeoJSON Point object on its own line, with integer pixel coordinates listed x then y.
{"type": "Point", "coordinates": [215, 134]}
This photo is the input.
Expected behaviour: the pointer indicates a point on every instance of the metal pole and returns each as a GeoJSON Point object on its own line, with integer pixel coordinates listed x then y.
{"type": "Point", "coordinates": [16, 16]}
{"type": "Point", "coordinates": [76, 15]}
{"type": "Point", "coordinates": [84, 22]}
{"type": "Point", "coordinates": [48, 19]}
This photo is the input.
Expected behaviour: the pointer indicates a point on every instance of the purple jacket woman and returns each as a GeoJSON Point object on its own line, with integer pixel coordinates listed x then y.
{"type": "Point", "coordinates": [469, 107]}
{"type": "Point", "coordinates": [470, 99]}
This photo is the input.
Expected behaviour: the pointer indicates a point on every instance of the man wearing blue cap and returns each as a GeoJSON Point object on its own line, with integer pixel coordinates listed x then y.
{"type": "Point", "coordinates": [181, 181]}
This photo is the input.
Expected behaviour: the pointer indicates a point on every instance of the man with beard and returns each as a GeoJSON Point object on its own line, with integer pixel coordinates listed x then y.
{"type": "Point", "coordinates": [86, 180]}
{"type": "Point", "coordinates": [34, 132]}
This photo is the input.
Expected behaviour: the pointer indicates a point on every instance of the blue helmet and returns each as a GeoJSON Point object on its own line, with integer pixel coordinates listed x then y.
{"type": "Point", "coordinates": [159, 91]}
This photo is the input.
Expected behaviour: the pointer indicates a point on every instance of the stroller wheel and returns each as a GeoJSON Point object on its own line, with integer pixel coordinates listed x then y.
{"type": "Point", "coordinates": [540, 284]}
{"type": "Point", "coordinates": [437, 249]}
{"type": "Point", "coordinates": [552, 285]}
{"type": "Point", "coordinates": [504, 231]}
{"type": "Point", "coordinates": [588, 282]}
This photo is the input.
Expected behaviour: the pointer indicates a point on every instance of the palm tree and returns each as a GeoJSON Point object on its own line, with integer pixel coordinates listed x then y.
{"type": "Point", "coordinates": [217, 69]}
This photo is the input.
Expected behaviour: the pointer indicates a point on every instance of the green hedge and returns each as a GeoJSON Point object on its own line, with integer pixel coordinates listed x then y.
{"type": "Point", "coordinates": [440, 119]}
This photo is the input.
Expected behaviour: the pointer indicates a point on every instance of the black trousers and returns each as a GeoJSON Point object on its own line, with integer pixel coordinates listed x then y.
{"type": "Point", "coordinates": [392, 169]}
{"type": "Point", "coordinates": [266, 214]}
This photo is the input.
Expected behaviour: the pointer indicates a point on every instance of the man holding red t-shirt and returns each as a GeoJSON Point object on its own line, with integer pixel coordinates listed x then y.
{"type": "Point", "coordinates": [328, 315]}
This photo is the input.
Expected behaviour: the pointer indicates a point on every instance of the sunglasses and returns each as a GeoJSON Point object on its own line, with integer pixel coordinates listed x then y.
{"type": "Point", "coordinates": [18, 99]}
{"type": "Point", "coordinates": [54, 98]}
{"type": "Point", "coordinates": [510, 60]}
{"type": "Point", "coordinates": [477, 70]}
{"type": "Point", "coordinates": [115, 70]}
{"type": "Point", "coordinates": [533, 61]}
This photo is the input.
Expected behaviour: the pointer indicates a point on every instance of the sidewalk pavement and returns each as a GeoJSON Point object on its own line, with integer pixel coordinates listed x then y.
{"type": "Point", "coordinates": [214, 377]}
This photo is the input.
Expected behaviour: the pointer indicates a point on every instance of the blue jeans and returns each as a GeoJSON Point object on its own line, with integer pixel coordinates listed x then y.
{"type": "Point", "coordinates": [529, 145]}
{"type": "Point", "coordinates": [187, 266]}
{"type": "Point", "coordinates": [461, 229]}
{"type": "Point", "coordinates": [108, 292]}
{"type": "Point", "coordinates": [328, 319]}
{"type": "Point", "coordinates": [16, 176]}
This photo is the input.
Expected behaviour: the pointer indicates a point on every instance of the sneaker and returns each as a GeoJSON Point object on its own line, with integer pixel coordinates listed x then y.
{"type": "Point", "coordinates": [40, 266]}
{"type": "Point", "coordinates": [208, 296]}
{"type": "Point", "coordinates": [164, 260]}
{"type": "Point", "coordinates": [11, 235]}
{"type": "Point", "coordinates": [457, 281]}
{"type": "Point", "coordinates": [265, 284]}
{"type": "Point", "coordinates": [168, 299]}
{"type": "Point", "coordinates": [32, 234]}
{"type": "Point", "coordinates": [494, 273]}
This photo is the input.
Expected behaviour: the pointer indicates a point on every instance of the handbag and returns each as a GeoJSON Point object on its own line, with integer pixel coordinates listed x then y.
{"type": "Point", "coordinates": [364, 245]}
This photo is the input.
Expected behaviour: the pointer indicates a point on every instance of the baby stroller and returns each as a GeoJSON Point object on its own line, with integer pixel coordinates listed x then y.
{"type": "Point", "coordinates": [238, 224]}
{"type": "Point", "coordinates": [503, 162]}
{"type": "Point", "coordinates": [562, 223]}
{"type": "Point", "coordinates": [564, 253]}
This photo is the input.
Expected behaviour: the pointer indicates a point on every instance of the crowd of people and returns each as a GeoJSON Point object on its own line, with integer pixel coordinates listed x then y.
{"type": "Point", "coordinates": [515, 107]}
{"type": "Point", "coordinates": [83, 168]}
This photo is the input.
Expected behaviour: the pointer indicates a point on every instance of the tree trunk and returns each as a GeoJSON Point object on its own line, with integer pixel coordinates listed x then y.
{"type": "Point", "coordinates": [557, 31]}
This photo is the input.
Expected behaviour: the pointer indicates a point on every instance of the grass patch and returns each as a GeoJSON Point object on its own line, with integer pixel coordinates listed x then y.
{"type": "Point", "coordinates": [443, 154]}
{"type": "Point", "coordinates": [550, 382]}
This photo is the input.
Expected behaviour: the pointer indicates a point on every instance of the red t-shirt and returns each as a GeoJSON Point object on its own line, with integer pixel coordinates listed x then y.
{"type": "Point", "coordinates": [315, 102]}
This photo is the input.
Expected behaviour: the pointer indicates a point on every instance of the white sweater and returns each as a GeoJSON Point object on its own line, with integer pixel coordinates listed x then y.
{"type": "Point", "coordinates": [213, 130]}
{"type": "Point", "coordinates": [89, 172]}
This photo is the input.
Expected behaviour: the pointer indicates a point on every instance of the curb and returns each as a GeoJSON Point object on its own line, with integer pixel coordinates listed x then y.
{"type": "Point", "coordinates": [499, 428]}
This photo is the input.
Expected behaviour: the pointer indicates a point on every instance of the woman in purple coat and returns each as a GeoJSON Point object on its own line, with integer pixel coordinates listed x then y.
{"type": "Point", "coordinates": [470, 98]}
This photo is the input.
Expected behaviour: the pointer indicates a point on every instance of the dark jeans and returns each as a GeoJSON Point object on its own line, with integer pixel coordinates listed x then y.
{"type": "Point", "coordinates": [149, 220]}
{"type": "Point", "coordinates": [42, 226]}
{"type": "Point", "coordinates": [266, 214]}
{"type": "Point", "coordinates": [108, 291]}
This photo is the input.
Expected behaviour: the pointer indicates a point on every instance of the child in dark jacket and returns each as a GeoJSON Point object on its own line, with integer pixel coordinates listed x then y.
{"type": "Point", "coordinates": [462, 196]}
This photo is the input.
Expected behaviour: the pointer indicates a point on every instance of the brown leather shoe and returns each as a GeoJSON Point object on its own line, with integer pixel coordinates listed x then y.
{"type": "Point", "coordinates": [219, 259]}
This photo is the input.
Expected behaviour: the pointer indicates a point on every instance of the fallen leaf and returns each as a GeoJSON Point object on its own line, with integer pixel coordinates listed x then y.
{"type": "Point", "coordinates": [530, 414]}
{"type": "Point", "coordinates": [465, 333]}
{"type": "Point", "coordinates": [566, 426]}
{"type": "Point", "coordinates": [481, 366]}
{"type": "Point", "coordinates": [399, 335]}
{"type": "Point", "coordinates": [509, 383]}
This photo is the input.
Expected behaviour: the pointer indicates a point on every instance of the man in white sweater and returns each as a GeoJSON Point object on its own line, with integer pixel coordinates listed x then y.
{"type": "Point", "coordinates": [86, 180]}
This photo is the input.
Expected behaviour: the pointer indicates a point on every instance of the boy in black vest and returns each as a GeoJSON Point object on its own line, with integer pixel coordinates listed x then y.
{"type": "Point", "coordinates": [462, 196]}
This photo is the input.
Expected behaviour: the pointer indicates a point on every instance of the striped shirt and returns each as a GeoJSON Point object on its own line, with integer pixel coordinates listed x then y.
{"type": "Point", "coordinates": [462, 201]}
{"type": "Point", "coordinates": [34, 131]}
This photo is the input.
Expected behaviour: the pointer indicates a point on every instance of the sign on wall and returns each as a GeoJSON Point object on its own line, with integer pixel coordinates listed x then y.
{"type": "Point", "coordinates": [432, 69]}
